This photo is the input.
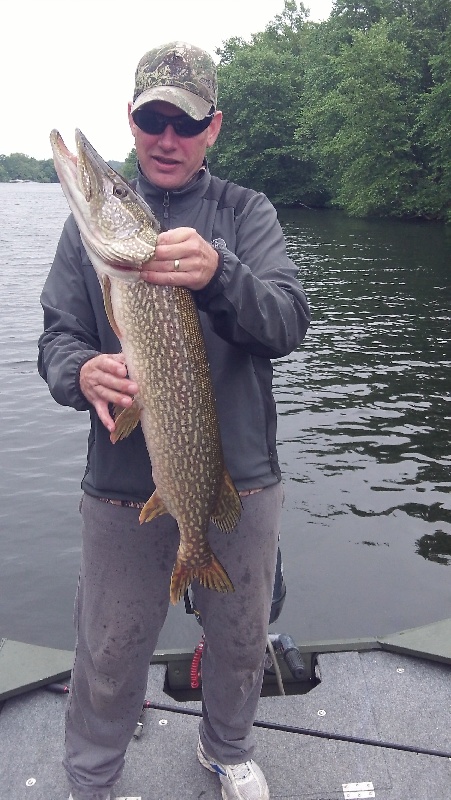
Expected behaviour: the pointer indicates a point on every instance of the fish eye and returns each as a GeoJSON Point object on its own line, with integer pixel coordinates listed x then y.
{"type": "Point", "coordinates": [120, 191]}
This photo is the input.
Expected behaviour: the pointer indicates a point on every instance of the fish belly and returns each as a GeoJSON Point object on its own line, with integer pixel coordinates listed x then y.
{"type": "Point", "coordinates": [165, 354]}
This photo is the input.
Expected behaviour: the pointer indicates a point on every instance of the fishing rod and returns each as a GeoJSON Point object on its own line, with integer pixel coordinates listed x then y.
{"type": "Point", "coordinates": [282, 728]}
{"type": "Point", "coordinates": [276, 726]}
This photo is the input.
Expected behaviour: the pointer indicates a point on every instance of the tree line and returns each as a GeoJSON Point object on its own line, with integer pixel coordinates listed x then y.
{"type": "Point", "coordinates": [20, 167]}
{"type": "Point", "coordinates": [352, 113]}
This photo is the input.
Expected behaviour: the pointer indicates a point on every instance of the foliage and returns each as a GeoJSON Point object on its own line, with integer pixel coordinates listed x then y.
{"type": "Point", "coordinates": [434, 125]}
{"type": "Point", "coordinates": [130, 167]}
{"type": "Point", "coordinates": [116, 165]}
{"type": "Point", "coordinates": [18, 166]}
{"type": "Point", "coordinates": [363, 123]}
{"type": "Point", "coordinates": [352, 112]}
{"type": "Point", "coordinates": [257, 145]}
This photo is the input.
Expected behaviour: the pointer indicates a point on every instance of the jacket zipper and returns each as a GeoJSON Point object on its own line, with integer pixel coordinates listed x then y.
{"type": "Point", "coordinates": [166, 205]}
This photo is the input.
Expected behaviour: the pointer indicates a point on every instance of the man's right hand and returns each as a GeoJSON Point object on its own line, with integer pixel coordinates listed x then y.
{"type": "Point", "coordinates": [103, 380]}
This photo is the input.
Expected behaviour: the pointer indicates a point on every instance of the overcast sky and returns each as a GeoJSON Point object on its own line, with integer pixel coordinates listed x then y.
{"type": "Point", "coordinates": [70, 64]}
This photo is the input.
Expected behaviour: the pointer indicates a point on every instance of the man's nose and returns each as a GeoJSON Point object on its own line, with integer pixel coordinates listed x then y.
{"type": "Point", "coordinates": [168, 138]}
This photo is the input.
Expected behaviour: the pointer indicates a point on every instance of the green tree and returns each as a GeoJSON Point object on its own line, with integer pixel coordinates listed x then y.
{"type": "Point", "coordinates": [353, 111]}
{"type": "Point", "coordinates": [347, 17]}
{"type": "Point", "coordinates": [47, 172]}
{"type": "Point", "coordinates": [362, 125]}
{"type": "Point", "coordinates": [21, 167]}
{"type": "Point", "coordinates": [260, 86]}
{"type": "Point", "coordinates": [130, 167]}
{"type": "Point", "coordinates": [3, 169]}
{"type": "Point", "coordinates": [434, 126]}
{"type": "Point", "coordinates": [18, 166]}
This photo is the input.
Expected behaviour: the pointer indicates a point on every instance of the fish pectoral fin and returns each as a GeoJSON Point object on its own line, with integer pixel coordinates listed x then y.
{"type": "Point", "coordinates": [212, 576]}
{"type": "Point", "coordinates": [153, 508]}
{"type": "Point", "coordinates": [126, 421]}
{"type": "Point", "coordinates": [106, 291]}
{"type": "Point", "coordinates": [227, 511]}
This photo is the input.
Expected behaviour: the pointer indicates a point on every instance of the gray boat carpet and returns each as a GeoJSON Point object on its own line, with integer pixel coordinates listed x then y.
{"type": "Point", "coordinates": [373, 695]}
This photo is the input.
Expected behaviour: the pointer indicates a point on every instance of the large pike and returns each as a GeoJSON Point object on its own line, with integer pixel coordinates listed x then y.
{"type": "Point", "coordinates": [164, 349]}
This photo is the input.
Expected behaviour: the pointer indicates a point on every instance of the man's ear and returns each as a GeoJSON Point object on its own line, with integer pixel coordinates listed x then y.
{"type": "Point", "coordinates": [130, 119]}
{"type": "Point", "coordinates": [214, 128]}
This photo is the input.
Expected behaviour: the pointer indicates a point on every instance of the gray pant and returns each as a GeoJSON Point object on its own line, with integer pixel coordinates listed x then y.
{"type": "Point", "coordinates": [121, 605]}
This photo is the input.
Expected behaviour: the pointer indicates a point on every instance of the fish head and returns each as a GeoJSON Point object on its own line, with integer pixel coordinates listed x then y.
{"type": "Point", "coordinates": [118, 228]}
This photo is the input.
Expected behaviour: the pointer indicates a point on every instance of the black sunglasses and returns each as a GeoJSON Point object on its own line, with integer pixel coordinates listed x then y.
{"type": "Point", "coordinates": [152, 122]}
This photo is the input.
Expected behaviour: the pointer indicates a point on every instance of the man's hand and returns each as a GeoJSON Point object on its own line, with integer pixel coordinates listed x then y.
{"type": "Point", "coordinates": [182, 258]}
{"type": "Point", "coordinates": [103, 380]}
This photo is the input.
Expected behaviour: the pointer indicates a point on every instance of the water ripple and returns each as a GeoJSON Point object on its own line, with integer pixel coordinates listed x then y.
{"type": "Point", "coordinates": [364, 429]}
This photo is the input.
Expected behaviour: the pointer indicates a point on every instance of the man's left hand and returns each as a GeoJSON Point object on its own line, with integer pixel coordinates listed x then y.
{"type": "Point", "coordinates": [182, 258]}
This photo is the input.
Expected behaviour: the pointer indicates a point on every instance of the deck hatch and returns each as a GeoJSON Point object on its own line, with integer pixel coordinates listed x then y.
{"type": "Point", "coordinates": [356, 791]}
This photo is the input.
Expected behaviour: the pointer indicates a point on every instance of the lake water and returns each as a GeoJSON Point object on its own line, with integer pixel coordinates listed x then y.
{"type": "Point", "coordinates": [364, 433]}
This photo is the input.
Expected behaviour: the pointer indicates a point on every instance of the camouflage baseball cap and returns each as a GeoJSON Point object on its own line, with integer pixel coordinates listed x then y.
{"type": "Point", "coordinates": [177, 73]}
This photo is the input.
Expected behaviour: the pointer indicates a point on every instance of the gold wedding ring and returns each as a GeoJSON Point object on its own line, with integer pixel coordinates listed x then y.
{"type": "Point", "coordinates": [176, 264]}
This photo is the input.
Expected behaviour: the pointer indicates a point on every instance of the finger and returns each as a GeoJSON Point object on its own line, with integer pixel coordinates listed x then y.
{"type": "Point", "coordinates": [102, 382]}
{"type": "Point", "coordinates": [114, 364]}
{"type": "Point", "coordinates": [164, 263]}
{"type": "Point", "coordinates": [111, 382]}
{"type": "Point", "coordinates": [102, 365]}
{"type": "Point", "coordinates": [186, 244]}
{"type": "Point", "coordinates": [175, 236]}
{"type": "Point", "coordinates": [117, 357]}
{"type": "Point", "coordinates": [103, 388]}
{"type": "Point", "coordinates": [166, 255]}
{"type": "Point", "coordinates": [102, 406]}
{"type": "Point", "coordinates": [169, 278]}
{"type": "Point", "coordinates": [120, 396]}
{"type": "Point", "coordinates": [104, 415]}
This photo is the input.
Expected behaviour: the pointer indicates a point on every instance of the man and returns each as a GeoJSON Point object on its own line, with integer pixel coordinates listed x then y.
{"type": "Point", "coordinates": [224, 243]}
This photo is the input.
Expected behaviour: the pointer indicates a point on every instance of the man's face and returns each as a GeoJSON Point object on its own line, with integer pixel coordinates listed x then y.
{"type": "Point", "coordinates": [169, 160]}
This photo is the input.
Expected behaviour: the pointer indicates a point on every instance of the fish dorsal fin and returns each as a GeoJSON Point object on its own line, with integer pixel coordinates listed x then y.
{"type": "Point", "coordinates": [227, 511]}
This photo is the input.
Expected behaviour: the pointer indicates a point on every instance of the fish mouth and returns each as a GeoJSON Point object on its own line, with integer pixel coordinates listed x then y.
{"type": "Point", "coordinates": [57, 143]}
{"type": "Point", "coordinates": [114, 221]}
{"type": "Point", "coordinates": [62, 157]}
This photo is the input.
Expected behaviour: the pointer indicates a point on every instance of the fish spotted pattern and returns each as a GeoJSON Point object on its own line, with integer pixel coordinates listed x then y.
{"type": "Point", "coordinates": [162, 340]}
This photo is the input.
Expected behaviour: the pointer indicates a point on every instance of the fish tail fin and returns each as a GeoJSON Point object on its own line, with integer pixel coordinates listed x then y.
{"type": "Point", "coordinates": [227, 511]}
{"type": "Point", "coordinates": [212, 576]}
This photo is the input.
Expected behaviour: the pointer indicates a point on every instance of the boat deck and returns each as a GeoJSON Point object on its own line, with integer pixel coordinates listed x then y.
{"type": "Point", "coordinates": [397, 697]}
